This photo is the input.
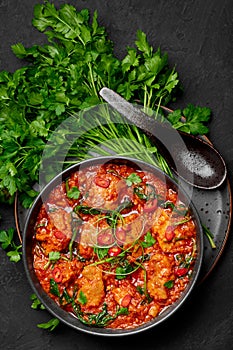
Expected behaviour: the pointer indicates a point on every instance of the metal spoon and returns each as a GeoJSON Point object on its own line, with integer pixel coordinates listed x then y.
{"type": "Point", "coordinates": [194, 160]}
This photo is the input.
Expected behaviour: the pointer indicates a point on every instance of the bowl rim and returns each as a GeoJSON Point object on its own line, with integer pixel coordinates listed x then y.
{"type": "Point", "coordinates": [65, 316]}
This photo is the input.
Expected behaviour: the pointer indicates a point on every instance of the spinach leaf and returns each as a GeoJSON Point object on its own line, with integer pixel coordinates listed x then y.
{"type": "Point", "coordinates": [50, 325]}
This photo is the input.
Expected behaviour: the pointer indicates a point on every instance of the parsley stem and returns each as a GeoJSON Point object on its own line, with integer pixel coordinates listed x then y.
{"type": "Point", "coordinates": [92, 79]}
{"type": "Point", "coordinates": [209, 235]}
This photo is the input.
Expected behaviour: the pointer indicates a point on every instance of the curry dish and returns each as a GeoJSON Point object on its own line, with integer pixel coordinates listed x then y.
{"type": "Point", "coordinates": [114, 245]}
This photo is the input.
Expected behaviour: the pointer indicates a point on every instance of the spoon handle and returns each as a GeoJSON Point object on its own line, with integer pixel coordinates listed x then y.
{"type": "Point", "coordinates": [166, 138]}
{"type": "Point", "coordinates": [191, 158]}
{"type": "Point", "coordinates": [132, 113]}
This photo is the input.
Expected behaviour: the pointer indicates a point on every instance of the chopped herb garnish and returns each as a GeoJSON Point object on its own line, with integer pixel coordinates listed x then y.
{"type": "Point", "coordinates": [82, 298]}
{"type": "Point", "coordinates": [124, 269]}
{"type": "Point", "coordinates": [133, 179]}
{"type": "Point", "coordinates": [101, 252]}
{"type": "Point", "coordinates": [169, 284]}
{"type": "Point", "coordinates": [53, 257]}
{"type": "Point", "coordinates": [102, 319]}
{"type": "Point", "coordinates": [73, 193]}
{"type": "Point", "coordinates": [54, 289]}
{"type": "Point", "coordinates": [148, 240]}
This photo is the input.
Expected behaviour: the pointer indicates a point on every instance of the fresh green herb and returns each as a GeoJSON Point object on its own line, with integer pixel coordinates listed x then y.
{"type": "Point", "coordinates": [133, 179]}
{"type": "Point", "coordinates": [184, 260]}
{"type": "Point", "coordinates": [167, 205]}
{"type": "Point", "coordinates": [50, 325]}
{"type": "Point", "coordinates": [143, 290]}
{"type": "Point", "coordinates": [140, 290]}
{"type": "Point", "coordinates": [182, 221]}
{"type": "Point", "coordinates": [123, 269]}
{"type": "Point", "coordinates": [169, 284]}
{"type": "Point", "coordinates": [73, 193]}
{"type": "Point", "coordinates": [139, 191]}
{"type": "Point", "coordinates": [82, 298]}
{"type": "Point", "coordinates": [195, 117]}
{"type": "Point", "coordinates": [145, 193]}
{"type": "Point", "coordinates": [101, 252]}
{"type": "Point", "coordinates": [84, 209]}
{"type": "Point", "coordinates": [148, 240]}
{"type": "Point", "coordinates": [115, 215]}
{"type": "Point", "coordinates": [112, 216]}
{"type": "Point", "coordinates": [75, 64]}
{"type": "Point", "coordinates": [36, 303]}
{"type": "Point", "coordinates": [64, 297]}
{"type": "Point", "coordinates": [53, 258]}
{"type": "Point", "coordinates": [102, 319]}
{"type": "Point", "coordinates": [180, 209]}
{"type": "Point", "coordinates": [54, 289]}
{"type": "Point", "coordinates": [8, 244]}
{"type": "Point", "coordinates": [210, 236]}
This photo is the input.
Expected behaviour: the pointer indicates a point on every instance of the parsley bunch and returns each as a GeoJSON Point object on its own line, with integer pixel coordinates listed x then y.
{"type": "Point", "coordinates": [64, 77]}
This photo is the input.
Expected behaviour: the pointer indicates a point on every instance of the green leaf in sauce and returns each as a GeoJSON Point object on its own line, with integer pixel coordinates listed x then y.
{"type": "Point", "coordinates": [102, 319]}
{"type": "Point", "coordinates": [82, 298]}
{"type": "Point", "coordinates": [169, 284]}
{"type": "Point", "coordinates": [148, 240]}
{"type": "Point", "coordinates": [73, 193]}
{"type": "Point", "coordinates": [54, 289]}
{"type": "Point", "coordinates": [53, 257]}
{"type": "Point", "coordinates": [133, 179]}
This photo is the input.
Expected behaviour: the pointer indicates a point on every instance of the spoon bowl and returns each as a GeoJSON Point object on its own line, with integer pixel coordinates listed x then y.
{"type": "Point", "coordinates": [193, 159]}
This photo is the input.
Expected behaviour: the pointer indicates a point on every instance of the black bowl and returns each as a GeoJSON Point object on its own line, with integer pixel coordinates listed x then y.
{"type": "Point", "coordinates": [66, 317]}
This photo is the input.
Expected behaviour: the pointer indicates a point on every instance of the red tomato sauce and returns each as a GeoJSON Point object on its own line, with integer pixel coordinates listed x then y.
{"type": "Point", "coordinates": [114, 246]}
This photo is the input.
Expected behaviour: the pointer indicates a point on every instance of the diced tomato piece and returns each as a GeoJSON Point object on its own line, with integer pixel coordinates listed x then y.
{"type": "Point", "coordinates": [57, 274]}
{"type": "Point", "coordinates": [126, 300]}
{"type": "Point", "coordinates": [169, 234]}
{"type": "Point", "coordinates": [105, 238]}
{"type": "Point", "coordinates": [114, 251]}
{"type": "Point", "coordinates": [101, 182]}
{"type": "Point", "coordinates": [181, 271]}
{"type": "Point", "coordinates": [60, 235]}
{"type": "Point", "coordinates": [151, 205]}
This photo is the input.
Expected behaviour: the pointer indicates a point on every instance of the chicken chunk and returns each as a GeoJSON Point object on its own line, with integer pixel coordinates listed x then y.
{"type": "Point", "coordinates": [92, 286]}
{"type": "Point", "coordinates": [159, 272]}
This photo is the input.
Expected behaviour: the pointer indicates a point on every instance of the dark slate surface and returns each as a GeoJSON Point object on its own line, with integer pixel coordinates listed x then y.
{"type": "Point", "coordinates": [198, 37]}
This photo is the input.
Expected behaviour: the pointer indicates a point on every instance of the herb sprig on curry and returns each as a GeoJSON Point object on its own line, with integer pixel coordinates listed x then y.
{"type": "Point", "coordinates": [114, 245]}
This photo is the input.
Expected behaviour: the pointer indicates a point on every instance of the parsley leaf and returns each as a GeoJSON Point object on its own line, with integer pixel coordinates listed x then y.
{"type": "Point", "coordinates": [8, 244]}
{"type": "Point", "coordinates": [53, 257]}
{"type": "Point", "coordinates": [82, 298]}
{"type": "Point", "coordinates": [195, 116]}
{"type": "Point", "coordinates": [73, 192]}
{"type": "Point", "coordinates": [123, 270]}
{"type": "Point", "coordinates": [36, 303]}
{"type": "Point", "coordinates": [148, 240]}
{"type": "Point", "coordinates": [133, 179]}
